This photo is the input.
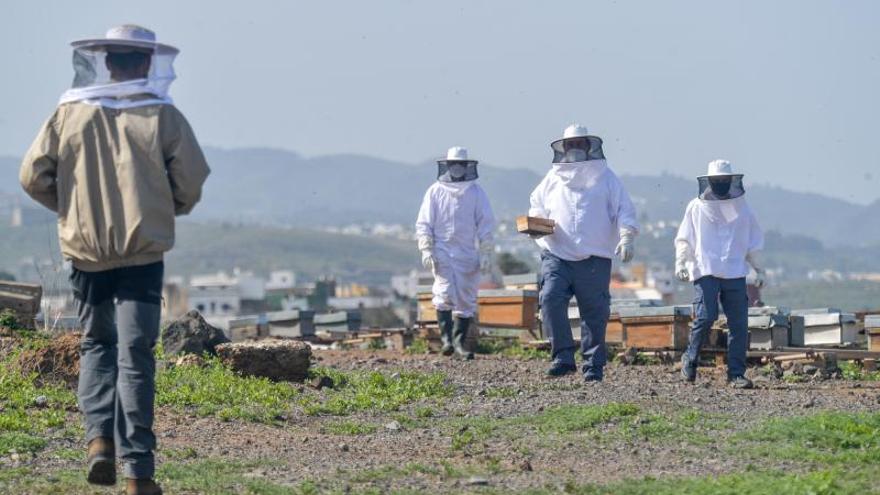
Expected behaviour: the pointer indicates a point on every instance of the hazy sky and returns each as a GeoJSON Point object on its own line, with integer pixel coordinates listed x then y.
{"type": "Point", "coordinates": [787, 90]}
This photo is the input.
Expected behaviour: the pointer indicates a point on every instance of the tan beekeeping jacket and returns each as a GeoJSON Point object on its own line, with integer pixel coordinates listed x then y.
{"type": "Point", "coordinates": [116, 178]}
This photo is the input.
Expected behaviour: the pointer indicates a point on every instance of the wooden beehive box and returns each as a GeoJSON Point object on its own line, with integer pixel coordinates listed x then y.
{"type": "Point", "coordinates": [22, 299]}
{"type": "Point", "coordinates": [768, 331]}
{"type": "Point", "coordinates": [614, 329]}
{"type": "Point", "coordinates": [656, 328]}
{"type": "Point", "coordinates": [534, 225]}
{"type": "Point", "coordinates": [525, 281]}
{"type": "Point", "coordinates": [426, 313]}
{"type": "Point", "coordinates": [508, 308]}
{"type": "Point", "coordinates": [872, 331]}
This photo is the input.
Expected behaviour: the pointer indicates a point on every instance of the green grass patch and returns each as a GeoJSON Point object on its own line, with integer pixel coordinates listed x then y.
{"type": "Point", "coordinates": [216, 390]}
{"type": "Point", "coordinates": [851, 370]}
{"type": "Point", "coordinates": [501, 392]}
{"type": "Point", "coordinates": [511, 348]}
{"type": "Point", "coordinates": [794, 378]}
{"type": "Point", "coordinates": [823, 482]}
{"type": "Point", "coordinates": [180, 454]}
{"type": "Point", "coordinates": [345, 427]}
{"type": "Point", "coordinates": [23, 424]}
{"type": "Point", "coordinates": [690, 425]}
{"type": "Point", "coordinates": [212, 476]}
{"type": "Point", "coordinates": [560, 420]}
{"type": "Point", "coordinates": [373, 391]}
{"type": "Point", "coordinates": [826, 438]}
{"type": "Point", "coordinates": [70, 454]}
{"type": "Point", "coordinates": [424, 412]}
{"type": "Point", "coordinates": [418, 346]}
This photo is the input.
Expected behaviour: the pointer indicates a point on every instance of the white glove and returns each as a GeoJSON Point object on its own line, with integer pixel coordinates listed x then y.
{"type": "Point", "coordinates": [753, 259]}
{"type": "Point", "coordinates": [426, 246]}
{"type": "Point", "coordinates": [682, 248]}
{"type": "Point", "coordinates": [625, 249]}
{"type": "Point", "coordinates": [428, 259]}
{"type": "Point", "coordinates": [487, 252]}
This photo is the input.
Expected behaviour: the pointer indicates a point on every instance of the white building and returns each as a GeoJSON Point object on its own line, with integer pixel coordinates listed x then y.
{"type": "Point", "coordinates": [216, 297]}
{"type": "Point", "coordinates": [281, 280]}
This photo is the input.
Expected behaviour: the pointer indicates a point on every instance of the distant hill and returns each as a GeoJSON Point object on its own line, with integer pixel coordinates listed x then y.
{"type": "Point", "coordinates": [283, 188]}
{"type": "Point", "coordinates": [208, 248]}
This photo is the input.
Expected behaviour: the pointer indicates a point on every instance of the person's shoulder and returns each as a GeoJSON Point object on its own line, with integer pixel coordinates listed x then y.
{"type": "Point", "coordinates": [478, 189]}
{"type": "Point", "coordinates": [611, 177]}
{"type": "Point", "coordinates": [432, 189]}
{"type": "Point", "coordinates": [169, 110]}
{"type": "Point", "coordinates": [549, 178]}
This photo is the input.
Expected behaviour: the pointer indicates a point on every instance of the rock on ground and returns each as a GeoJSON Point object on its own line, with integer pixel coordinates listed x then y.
{"type": "Point", "coordinates": [56, 362]}
{"type": "Point", "coordinates": [279, 360]}
{"type": "Point", "coordinates": [191, 334]}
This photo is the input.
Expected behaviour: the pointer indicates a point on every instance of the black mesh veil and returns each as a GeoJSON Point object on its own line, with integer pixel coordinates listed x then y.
{"type": "Point", "coordinates": [579, 149]}
{"type": "Point", "coordinates": [444, 174]}
{"type": "Point", "coordinates": [719, 187]}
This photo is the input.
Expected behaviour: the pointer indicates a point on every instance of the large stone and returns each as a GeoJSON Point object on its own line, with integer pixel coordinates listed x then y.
{"type": "Point", "coordinates": [279, 360]}
{"type": "Point", "coordinates": [57, 361]}
{"type": "Point", "coordinates": [191, 334]}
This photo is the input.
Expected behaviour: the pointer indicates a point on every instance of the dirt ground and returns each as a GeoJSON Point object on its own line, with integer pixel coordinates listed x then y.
{"type": "Point", "coordinates": [492, 388]}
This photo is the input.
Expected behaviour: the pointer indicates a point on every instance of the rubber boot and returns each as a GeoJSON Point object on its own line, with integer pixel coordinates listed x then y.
{"type": "Point", "coordinates": [444, 320]}
{"type": "Point", "coordinates": [462, 325]}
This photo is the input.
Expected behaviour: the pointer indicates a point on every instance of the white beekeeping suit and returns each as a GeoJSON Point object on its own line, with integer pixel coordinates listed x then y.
{"type": "Point", "coordinates": [594, 221]}
{"type": "Point", "coordinates": [719, 234]}
{"type": "Point", "coordinates": [454, 219]}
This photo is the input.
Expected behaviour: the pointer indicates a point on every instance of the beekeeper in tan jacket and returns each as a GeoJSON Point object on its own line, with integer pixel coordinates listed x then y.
{"type": "Point", "coordinates": [117, 162]}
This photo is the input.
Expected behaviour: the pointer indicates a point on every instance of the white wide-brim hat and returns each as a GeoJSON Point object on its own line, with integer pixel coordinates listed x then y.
{"type": "Point", "coordinates": [127, 35]}
{"type": "Point", "coordinates": [576, 131]}
{"type": "Point", "coordinates": [719, 168]}
{"type": "Point", "coordinates": [457, 154]}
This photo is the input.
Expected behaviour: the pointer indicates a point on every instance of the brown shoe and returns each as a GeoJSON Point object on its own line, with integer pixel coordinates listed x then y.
{"type": "Point", "coordinates": [102, 461]}
{"type": "Point", "coordinates": [142, 487]}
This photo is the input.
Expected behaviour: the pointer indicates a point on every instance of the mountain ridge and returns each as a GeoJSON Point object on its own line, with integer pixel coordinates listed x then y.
{"type": "Point", "coordinates": [275, 186]}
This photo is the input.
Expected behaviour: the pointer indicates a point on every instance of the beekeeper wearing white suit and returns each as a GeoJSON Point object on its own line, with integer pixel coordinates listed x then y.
{"type": "Point", "coordinates": [595, 220]}
{"type": "Point", "coordinates": [454, 231]}
{"type": "Point", "coordinates": [717, 240]}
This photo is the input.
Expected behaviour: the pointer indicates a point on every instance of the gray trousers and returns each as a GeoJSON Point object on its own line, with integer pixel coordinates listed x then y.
{"type": "Point", "coordinates": [588, 281]}
{"type": "Point", "coordinates": [119, 311]}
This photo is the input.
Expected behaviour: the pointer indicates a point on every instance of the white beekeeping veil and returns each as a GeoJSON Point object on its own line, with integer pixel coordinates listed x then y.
{"type": "Point", "coordinates": [577, 145]}
{"type": "Point", "coordinates": [103, 68]}
{"type": "Point", "coordinates": [457, 167]}
{"type": "Point", "coordinates": [720, 183]}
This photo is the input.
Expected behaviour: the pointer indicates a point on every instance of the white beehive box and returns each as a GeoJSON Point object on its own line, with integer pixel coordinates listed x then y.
{"type": "Point", "coordinates": [830, 329]}
{"type": "Point", "coordinates": [768, 331]}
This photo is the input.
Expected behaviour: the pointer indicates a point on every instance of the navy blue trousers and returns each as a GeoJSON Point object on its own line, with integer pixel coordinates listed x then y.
{"type": "Point", "coordinates": [735, 302]}
{"type": "Point", "coordinates": [587, 281]}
